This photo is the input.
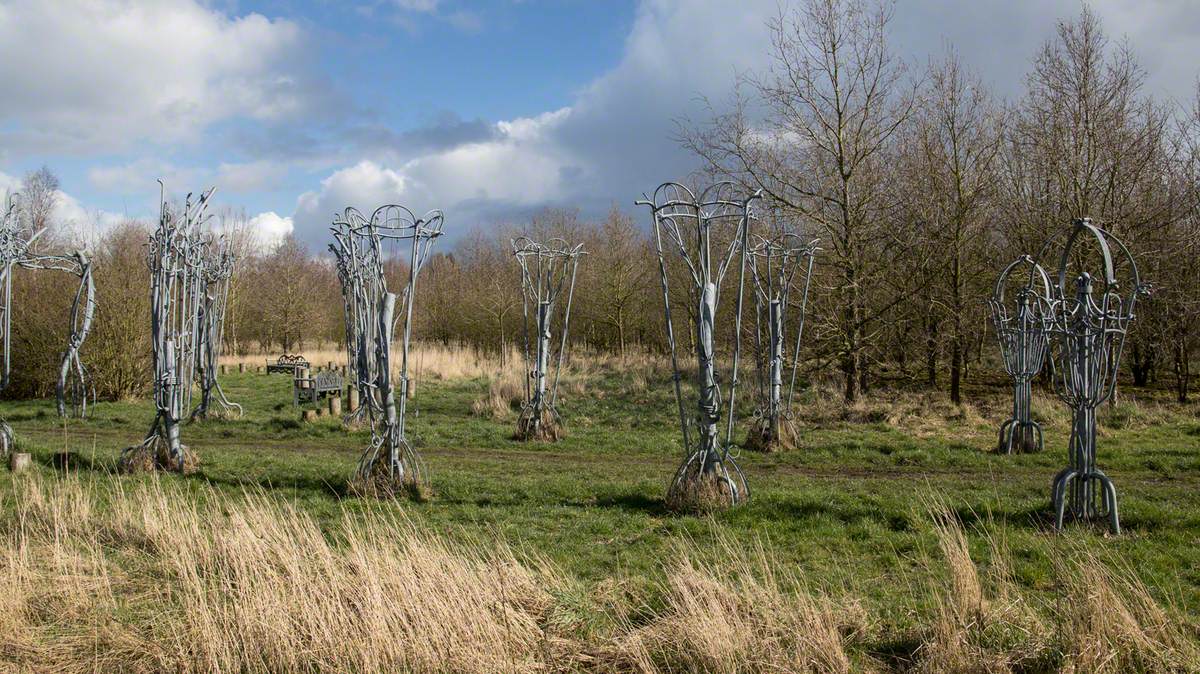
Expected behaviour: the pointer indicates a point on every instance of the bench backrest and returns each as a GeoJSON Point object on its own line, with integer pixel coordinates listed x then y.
{"type": "Point", "coordinates": [327, 381]}
{"type": "Point", "coordinates": [292, 359]}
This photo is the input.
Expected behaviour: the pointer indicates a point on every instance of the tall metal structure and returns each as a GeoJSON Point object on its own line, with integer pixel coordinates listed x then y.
{"type": "Point", "coordinates": [1020, 311]}
{"type": "Point", "coordinates": [547, 270]}
{"type": "Point", "coordinates": [1091, 304]}
{"type": "Point", "coordinates": [218, 272]}
{"type": "Point", "coordinates": [709, 234]}
{"type": "Point", "coordinates": [386, 250]}
{"type": "Point", "coordinates": [775, 264]}
{"type": "Point", "coordinates": [354, 310]}
{"type": "Point", "coordinates": [177, 255]}
{"type": "Point", "coordinates": [17, 250]}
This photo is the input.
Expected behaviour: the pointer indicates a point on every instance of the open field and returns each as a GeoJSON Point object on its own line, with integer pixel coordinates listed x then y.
{"type": "Point", "coordinates": [543, 557]}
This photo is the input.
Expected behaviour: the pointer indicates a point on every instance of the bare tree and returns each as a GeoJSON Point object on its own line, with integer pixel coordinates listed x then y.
{"type": "Point", "coordinates": [834, 99]}
{"type": "Point", "coordinates": [39, 196]}
{"type": "Point", "coordinates": [1088, 143]}
{"type": "Point", "coordinates": [958, 139]}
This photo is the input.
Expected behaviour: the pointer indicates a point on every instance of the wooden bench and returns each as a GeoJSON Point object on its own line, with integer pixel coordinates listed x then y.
{"type": "Point", "coordinates": [312, 389]}
{"type": "Point", "coordinates": [287, 364]}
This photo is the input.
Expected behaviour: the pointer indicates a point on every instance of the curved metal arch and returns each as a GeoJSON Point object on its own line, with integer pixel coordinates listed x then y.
{"type": "Point", "coordinates": [372, 317]}
{"type": "Point", "coordinates": [547, 268]}
{"type": "Point", "coordinates": [686, 221]}
{"type": "Point", "coordinates": [1087, 339]}
{"type": "Point", "coordinates": [775, 263]}
{"type": "Point", "coordinates": [1023, 342]}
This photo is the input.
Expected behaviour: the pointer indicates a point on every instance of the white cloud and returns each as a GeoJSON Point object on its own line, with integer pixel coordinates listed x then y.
{"type": "Point", "coordinates": [612, 143]}
{"type": "Point", "coordinates": [250, 176]}
{"type": "Point", "coordinates": [268, 229]}
{"type": "Point", "coordinates": [140, 176]}
{"type": "Point", "coordinates": [523, 166]}
{"type": "Point", "coordinates": [86, 75]}
{"type": "Point", "coordinates": [617, 138]}
{"type": "Point", "coordinates": [68, 212]}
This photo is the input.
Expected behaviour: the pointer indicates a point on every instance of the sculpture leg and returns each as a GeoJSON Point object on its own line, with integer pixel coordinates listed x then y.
{"type": "Point", "coordinates": [1110, 502]}
{"type": "Point", "coordinates": [1006, 437]}
{"type": "Point", "coordinates": [1058, 495]}
{"type": "Point", "coordinates": [6, 438]}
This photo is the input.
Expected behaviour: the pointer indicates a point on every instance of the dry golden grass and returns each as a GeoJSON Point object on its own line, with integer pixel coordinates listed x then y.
{"type": "Point", "coordinates": [506, 392]}
{"type": "Point", "coordinates": [255, 586]}
{"type": "Point", "coordinates": [431, 360]}
{"type": "Point", "coordinates": [977, 626]}
{"type": "Point", "coordinates": [153, 576]}
{"type": "Point", "coordinates": [741, 614]}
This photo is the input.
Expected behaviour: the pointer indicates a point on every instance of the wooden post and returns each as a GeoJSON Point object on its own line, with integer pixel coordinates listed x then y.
{"type": "Point", "coordinates": [241, 367]}
{"type": "Point", "coordinates": [335, 406]}
{"type": "Point", "coordinates": [19, 461]}
{"type": "Point", "coordinates": [330, 367]}
{"type": "Point", "coordinates": [352, 398]}
{"type": "Point", "coordinates": [221, 369]}
{"type": "Point", "coordinates": [411, 390]}
{"type": "Point", "coordinates": [308, 416]}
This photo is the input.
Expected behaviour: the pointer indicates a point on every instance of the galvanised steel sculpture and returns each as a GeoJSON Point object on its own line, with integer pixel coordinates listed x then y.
{"type": "Point", "coordinates": [354, 310]}
{"type": "Point", "coordinates": [177, 254]}
{"type": "Point", "coordinates": [775, 264]}
{"type": "Point", "coordinates": [1019, 314]}
{"type": "Point", "coordinates": [17, 250]}
{"type": "Point", "coordinates": [391, 243]}
{"type": "Point", "coordinates": [709, 233]}
{"type": "Point", "coordinates": [218, 272]}
{"type": "Point", "coordinates": [1087, 320]}
{"type": "Point", "coordinates": [547, 270]}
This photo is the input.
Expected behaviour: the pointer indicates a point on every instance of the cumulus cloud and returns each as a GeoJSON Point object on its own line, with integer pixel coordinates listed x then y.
{"type": "Point", "coordinates": [250, 176]}
{"type": "Point", "coordinates": [617, 138]}
{"type": "Point", "coordinates": [68, 212]}
{"type": "Point", "coordinates": [520, 166]}
{"type": "Point", "coordinates": [612, 143]}
{"type": "Point", "coordinates": [88, 75]}
{"type": "Point", "coordinates": [268, 229]}
{"type": "Point", "coordinates": [139, 176]}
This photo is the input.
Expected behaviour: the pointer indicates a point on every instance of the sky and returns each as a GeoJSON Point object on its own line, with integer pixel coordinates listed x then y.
{"type": "Point", "coordinates": [487, 109]}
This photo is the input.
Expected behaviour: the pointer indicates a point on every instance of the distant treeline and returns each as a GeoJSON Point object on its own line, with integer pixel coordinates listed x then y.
{"type": "Point", "coordinates": [920, 183]}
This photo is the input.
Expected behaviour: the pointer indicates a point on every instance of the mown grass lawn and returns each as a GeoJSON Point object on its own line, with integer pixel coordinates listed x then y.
{"type": "Point", "coordinates": [849, 507]}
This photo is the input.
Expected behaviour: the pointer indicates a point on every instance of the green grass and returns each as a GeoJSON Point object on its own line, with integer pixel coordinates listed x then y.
{"type": "Point", "coordinates": [848, 508]}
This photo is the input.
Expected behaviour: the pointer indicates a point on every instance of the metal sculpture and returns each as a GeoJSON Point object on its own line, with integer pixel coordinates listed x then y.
{"type": "Point", "coordinates": [177, 253]}
{"type": "Point", "coordinates": [775, 264]}
{"type": "Point", "coordinates": [1021, 330]}
{"type": "Point", "coordinates": [391, 243]}
{"type": "Point", "coordinates": [709, 233]}
{"type": "Point", "coordinates": [547, 269]}
{"type": "Point", "coordinates": [218, 272]}
{"type": "Point", "coordinates": [346, 264]}
{"type": "Point", "coordinates": [1087, 322]}
{"type": "Point", "coordinates": [73, 388]}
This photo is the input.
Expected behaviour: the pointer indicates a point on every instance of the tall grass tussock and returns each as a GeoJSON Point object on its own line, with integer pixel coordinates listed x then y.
{"type": "Point", "coordinates": [149, 577]}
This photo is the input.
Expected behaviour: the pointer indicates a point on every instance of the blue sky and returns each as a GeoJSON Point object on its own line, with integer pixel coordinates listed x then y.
{"type": "Point", "coordinates": [488, 109]}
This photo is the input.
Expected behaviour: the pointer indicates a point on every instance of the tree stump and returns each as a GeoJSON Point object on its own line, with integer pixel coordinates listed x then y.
{"type": "Point", "coordinates": [335, 406]}
{"type": "Point", "coordinates": [20, 461]}
{"type": "Point", "coordinates": [308, 416]}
